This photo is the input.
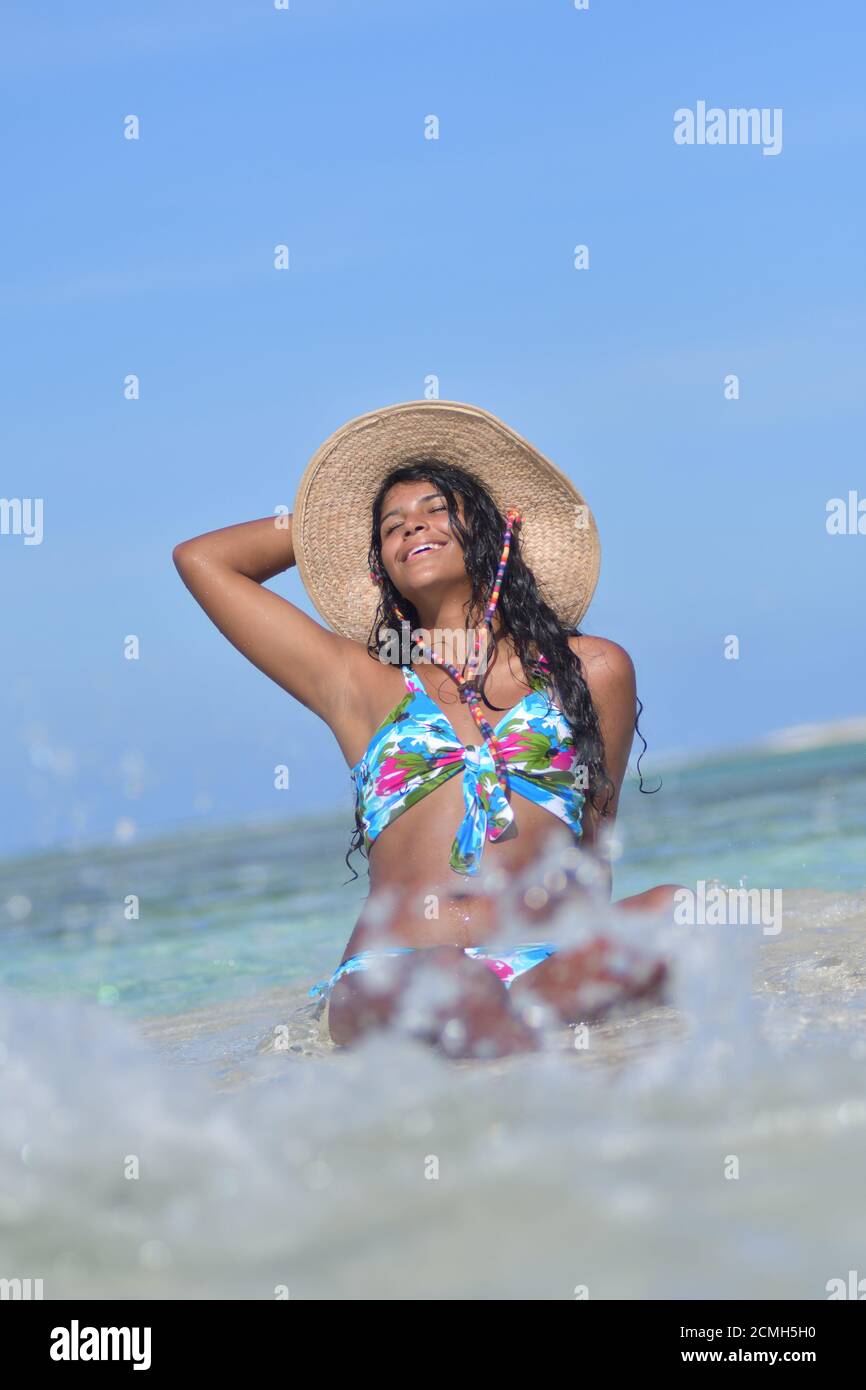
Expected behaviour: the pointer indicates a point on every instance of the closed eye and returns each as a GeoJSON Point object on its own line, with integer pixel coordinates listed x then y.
{"type": "Point", "coordinates": [443, 508]}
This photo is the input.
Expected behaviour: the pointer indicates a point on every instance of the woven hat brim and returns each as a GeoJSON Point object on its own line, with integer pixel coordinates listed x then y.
{"type": "Point", "coordinates": [332, 515]}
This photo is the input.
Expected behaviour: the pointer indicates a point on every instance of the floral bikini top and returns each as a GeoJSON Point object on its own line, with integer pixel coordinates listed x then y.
{"type": "Point", "coordinates": [415, 750]}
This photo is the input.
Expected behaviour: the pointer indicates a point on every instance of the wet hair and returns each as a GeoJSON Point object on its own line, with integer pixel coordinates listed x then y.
{"type": "Point", "coordinates": [523, 613]}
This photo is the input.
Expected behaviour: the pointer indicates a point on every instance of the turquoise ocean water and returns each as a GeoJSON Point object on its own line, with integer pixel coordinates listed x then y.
{"type": "Point", "coordinates": [183, 1036]}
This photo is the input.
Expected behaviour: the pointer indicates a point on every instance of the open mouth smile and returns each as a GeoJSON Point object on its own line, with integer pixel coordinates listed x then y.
{"type": "Point", "coordinates": [422, 548]}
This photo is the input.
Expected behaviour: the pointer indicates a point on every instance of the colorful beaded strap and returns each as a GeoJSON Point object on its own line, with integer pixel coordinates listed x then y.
{"type": "Point", "coordinates": [466, 685]}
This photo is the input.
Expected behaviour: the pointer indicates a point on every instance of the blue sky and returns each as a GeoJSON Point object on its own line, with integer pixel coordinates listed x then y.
{"type": "Point", "coordinates": [411, 257]}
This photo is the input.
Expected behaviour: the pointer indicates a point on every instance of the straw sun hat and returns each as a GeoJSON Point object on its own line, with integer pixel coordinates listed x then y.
{"type": "Point", "coordinates": [332, 517]}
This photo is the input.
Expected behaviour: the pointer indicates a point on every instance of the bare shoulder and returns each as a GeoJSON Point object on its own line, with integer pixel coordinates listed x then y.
{"type": "Point", "coordinates": [610, 675]}
{"type": "Point", "coordinates": [609, 672]}
{"type": "Point", "coordinates": [606, 665]}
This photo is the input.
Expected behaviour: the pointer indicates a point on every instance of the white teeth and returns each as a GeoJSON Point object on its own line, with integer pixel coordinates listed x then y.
{"type": "Point", "coordinates": [428, 545]}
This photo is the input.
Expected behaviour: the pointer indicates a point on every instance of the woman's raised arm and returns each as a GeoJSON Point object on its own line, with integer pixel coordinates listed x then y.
{"type": "Point", "coordinates": [225, 572]}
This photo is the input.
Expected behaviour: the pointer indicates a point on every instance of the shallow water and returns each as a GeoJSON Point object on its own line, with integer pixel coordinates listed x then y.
{"type": "Point", "coordinates": [185, 1042]}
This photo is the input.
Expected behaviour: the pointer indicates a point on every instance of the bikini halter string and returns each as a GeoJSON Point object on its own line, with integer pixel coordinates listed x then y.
{"type": "Point", "coordinates": [466, 687]}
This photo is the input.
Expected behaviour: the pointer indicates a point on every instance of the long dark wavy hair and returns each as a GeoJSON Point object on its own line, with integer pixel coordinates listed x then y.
{"type": "Point", "coordinates": [524, 615]}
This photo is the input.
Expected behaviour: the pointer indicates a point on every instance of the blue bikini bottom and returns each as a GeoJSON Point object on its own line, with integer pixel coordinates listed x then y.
{"type": "Point", "coordinates": [507, 964]}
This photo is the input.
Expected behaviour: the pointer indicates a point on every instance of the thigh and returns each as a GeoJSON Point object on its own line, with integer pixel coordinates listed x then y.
{"type": "Point", "coordinates": [581, 984]}
{"type": "Point", "coordinates": [365, 999]}
{"type": "Point", "coordinates": [368, 999]}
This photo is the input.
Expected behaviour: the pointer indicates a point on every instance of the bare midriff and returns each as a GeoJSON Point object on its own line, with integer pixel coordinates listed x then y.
{"type": "Point", "coordinates": [417, 899]}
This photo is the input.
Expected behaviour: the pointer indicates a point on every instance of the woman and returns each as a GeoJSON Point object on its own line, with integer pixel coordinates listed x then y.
{"type": "Point", "coordinates": [483, 558]}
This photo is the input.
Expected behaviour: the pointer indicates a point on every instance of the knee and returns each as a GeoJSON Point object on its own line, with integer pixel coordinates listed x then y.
{"type": "Point", "coordinates": [668, 890]}
{"type": "Point", "coordinates": [663, 895]}
{"type": "Point", "coordinates": [659, 899]}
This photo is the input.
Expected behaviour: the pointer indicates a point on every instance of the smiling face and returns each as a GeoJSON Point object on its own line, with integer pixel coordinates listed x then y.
{"type": "Point", "coordinates": [420, 552]}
